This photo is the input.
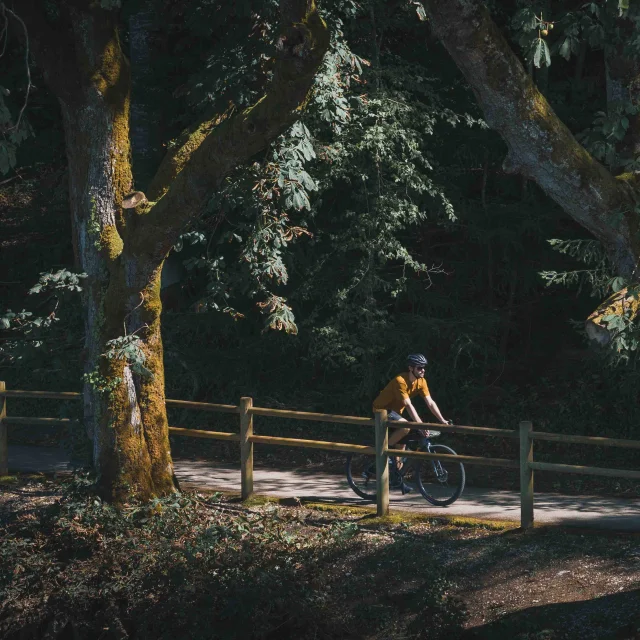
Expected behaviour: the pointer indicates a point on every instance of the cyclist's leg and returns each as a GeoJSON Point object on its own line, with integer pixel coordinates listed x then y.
{"type": "Point", "coordinates": [397, 435]}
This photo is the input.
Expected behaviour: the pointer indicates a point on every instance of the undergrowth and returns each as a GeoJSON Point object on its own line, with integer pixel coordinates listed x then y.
{"type": "Point", "coordinates": [195, 566]}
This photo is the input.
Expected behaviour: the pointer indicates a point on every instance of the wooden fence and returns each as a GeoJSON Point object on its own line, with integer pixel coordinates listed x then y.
{"type": "Point", "coordinates": [247, 438]}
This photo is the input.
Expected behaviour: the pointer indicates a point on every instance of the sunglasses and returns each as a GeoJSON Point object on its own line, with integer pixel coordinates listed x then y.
{"type": "Point", "coordinates": [419, 368]}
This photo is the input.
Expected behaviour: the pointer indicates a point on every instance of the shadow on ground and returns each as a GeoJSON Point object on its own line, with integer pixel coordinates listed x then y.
{"type": "Point", "coordinates": [612, 617]}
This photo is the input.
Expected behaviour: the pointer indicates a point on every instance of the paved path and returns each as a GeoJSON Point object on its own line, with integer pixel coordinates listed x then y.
{"type": "Point", "coordinates": [583, 511]}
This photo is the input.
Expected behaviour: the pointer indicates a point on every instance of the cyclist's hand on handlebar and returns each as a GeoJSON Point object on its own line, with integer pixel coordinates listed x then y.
{"type": "Point", "coordinates": [448, 422]}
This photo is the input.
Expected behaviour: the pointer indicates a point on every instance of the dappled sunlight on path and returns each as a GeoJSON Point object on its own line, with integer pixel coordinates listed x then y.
{"type": "Point", "coordinates": [305, 484]}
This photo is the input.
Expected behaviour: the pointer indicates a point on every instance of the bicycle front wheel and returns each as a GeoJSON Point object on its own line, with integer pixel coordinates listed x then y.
{"type": "Point", "coordinates": [441, 481]}
{"type": "Point", "coordinates": [361, 474]}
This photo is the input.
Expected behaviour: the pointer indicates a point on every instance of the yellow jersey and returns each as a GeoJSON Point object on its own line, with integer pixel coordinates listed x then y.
{"type": "Point", "coordinates": [393, 395]}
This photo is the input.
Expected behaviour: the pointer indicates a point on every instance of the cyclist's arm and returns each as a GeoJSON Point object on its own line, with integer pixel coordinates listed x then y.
{"type": "Point", "coordinates": [433, 407]}
{"type": "Point", "coordinates": [411, 410]}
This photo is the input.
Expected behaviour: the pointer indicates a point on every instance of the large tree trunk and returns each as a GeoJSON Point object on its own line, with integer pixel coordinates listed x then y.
{"type": "Point", "coordinates": [125, 412]}
{"type": "Point", "coordinates": [135, 455]}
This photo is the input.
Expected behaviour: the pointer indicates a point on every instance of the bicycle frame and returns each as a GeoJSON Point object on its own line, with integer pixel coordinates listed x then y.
{"type": "Point", "coordinates": [424, 444]}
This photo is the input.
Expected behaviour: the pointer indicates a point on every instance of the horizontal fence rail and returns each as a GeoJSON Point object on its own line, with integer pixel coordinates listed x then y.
{"type": "Point", "coordinates": [458, 428]}
{"type": "Point", "coordinates": [478, 460]}
{"type": "Point", "coordinates": [589, 471]}
{"type": "Point", "coordinates": [203, 406]}
{"type": "Point", "coordinates": [313, 444]}
{"type": "Point", "coordinates": [203, 433]}
{"type": "Point", "coordinates": [593, 440]}
{"type": "Point", "coordinates": [246, 438]}
{"type": "Point", "coordinates": [36, 422]}
{"type": "Point", "coordinates": [314, 417]}
{"type": "Point", "coordinates": [50, 395]}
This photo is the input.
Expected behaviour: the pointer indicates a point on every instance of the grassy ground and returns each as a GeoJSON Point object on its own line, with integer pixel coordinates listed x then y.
{"type": "Point", "coordinates": [206, 566]}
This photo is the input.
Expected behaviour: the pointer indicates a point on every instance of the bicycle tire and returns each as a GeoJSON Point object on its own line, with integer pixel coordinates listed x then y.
{"type": "Point", "coordinates": [437, 490]}
{"type": "Point", "coordinates": [357, 465]}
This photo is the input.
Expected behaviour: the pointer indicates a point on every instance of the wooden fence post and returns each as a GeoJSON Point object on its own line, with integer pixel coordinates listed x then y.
{"type": "Point", "coordinates": [246, 448]}
{"type": "Point", "coordinates": [526, 475]}
{"type": "Point", "coordinates": [382, 463]}
{"type": "Point", "coordinates": [4, 445]}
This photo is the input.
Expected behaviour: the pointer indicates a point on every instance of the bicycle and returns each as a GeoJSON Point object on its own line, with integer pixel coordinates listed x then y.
{"type": "Point", "coordinates": [441, 483]}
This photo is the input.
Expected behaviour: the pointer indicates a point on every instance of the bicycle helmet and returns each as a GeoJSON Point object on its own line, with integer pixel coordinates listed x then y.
{"type": "Point", "coordinates": [416, 360]}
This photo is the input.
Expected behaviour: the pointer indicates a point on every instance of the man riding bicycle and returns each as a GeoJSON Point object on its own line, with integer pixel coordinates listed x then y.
{"type": "Point", "coordinates": [396, 396]}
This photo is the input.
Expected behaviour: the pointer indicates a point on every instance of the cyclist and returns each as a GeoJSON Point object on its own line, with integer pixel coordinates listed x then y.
{"type": "Point", "coordinates": [396, 396]}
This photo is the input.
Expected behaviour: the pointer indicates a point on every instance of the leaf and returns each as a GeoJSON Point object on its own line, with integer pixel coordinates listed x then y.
{"type": "Point", "coordinates": [565, 48]}
{"type": "Point", "coordinates": [618, 283]}
{"type": "Point", "coordinates": [619, 131]}
{"type": "Point", "coordinates": [297, 130]}
{"type": "Point", "coordinates": [288, 202]}
{"type": "Point", "coordinates": [307, 150]}
{"type": "Point", "coordinates": [422, 14]}
{"type": "Point", "coordinates": [547, 53]}
{"type": "Point", "coordinates": [538, 53]}
{"type": "Point", "coordinates": [293, 174]}
{"type": "Point", "coordinates": [307, 181]}
{"type": "Point", "coordinates": [300, 200]}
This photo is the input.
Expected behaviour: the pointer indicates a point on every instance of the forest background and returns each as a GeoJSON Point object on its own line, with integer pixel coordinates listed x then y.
{"type": "Point", "coordinates": [381, 223]}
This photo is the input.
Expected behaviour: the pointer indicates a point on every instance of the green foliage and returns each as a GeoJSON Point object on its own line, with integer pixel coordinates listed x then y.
{"type": "Point", "coordinates": [589, 252]}
{"type": "Point", "coordinates": [62, 280]}
{"type": "Point", "coordinates": [100, 383]}
{"type": "Point", "coordinates": [398, 251]}
{"type": "Point", "coordinates": [624, 330]}
{"type": "Point", "coordinates": [607, 131]}
{"type": "Point", "coordinates": [372, 154]}
{"type": "Point", "coordinates": [128, 349]}
{"type": "Point", "coordinates": [29, 332]}
{"type": "Point", "coordinates": [262, 198]}
{"type": "Point", "coordinates": [187, 564]}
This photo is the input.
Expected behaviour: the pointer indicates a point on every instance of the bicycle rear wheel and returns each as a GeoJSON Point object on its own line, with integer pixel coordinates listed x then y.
{"type": "Point", "coordinates": [441, 481]}
{"type": "Point", "coordinates": [361, 474]}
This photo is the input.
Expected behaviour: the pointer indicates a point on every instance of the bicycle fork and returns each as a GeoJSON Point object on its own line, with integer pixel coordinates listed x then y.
{"type": "Point", "coordinates": [441, 474]}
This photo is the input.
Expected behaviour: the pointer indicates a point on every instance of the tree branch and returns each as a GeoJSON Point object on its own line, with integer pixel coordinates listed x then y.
{"type": "Point", "coordinates": [540, 146]}
{"type": "Point", "coordinates": [175, 159]}
{"type": "Point", "coordinates": [198, 167]}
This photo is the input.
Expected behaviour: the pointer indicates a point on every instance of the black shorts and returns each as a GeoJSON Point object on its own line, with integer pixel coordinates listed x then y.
{"type": "Point", "coordinates": [411, 436]}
